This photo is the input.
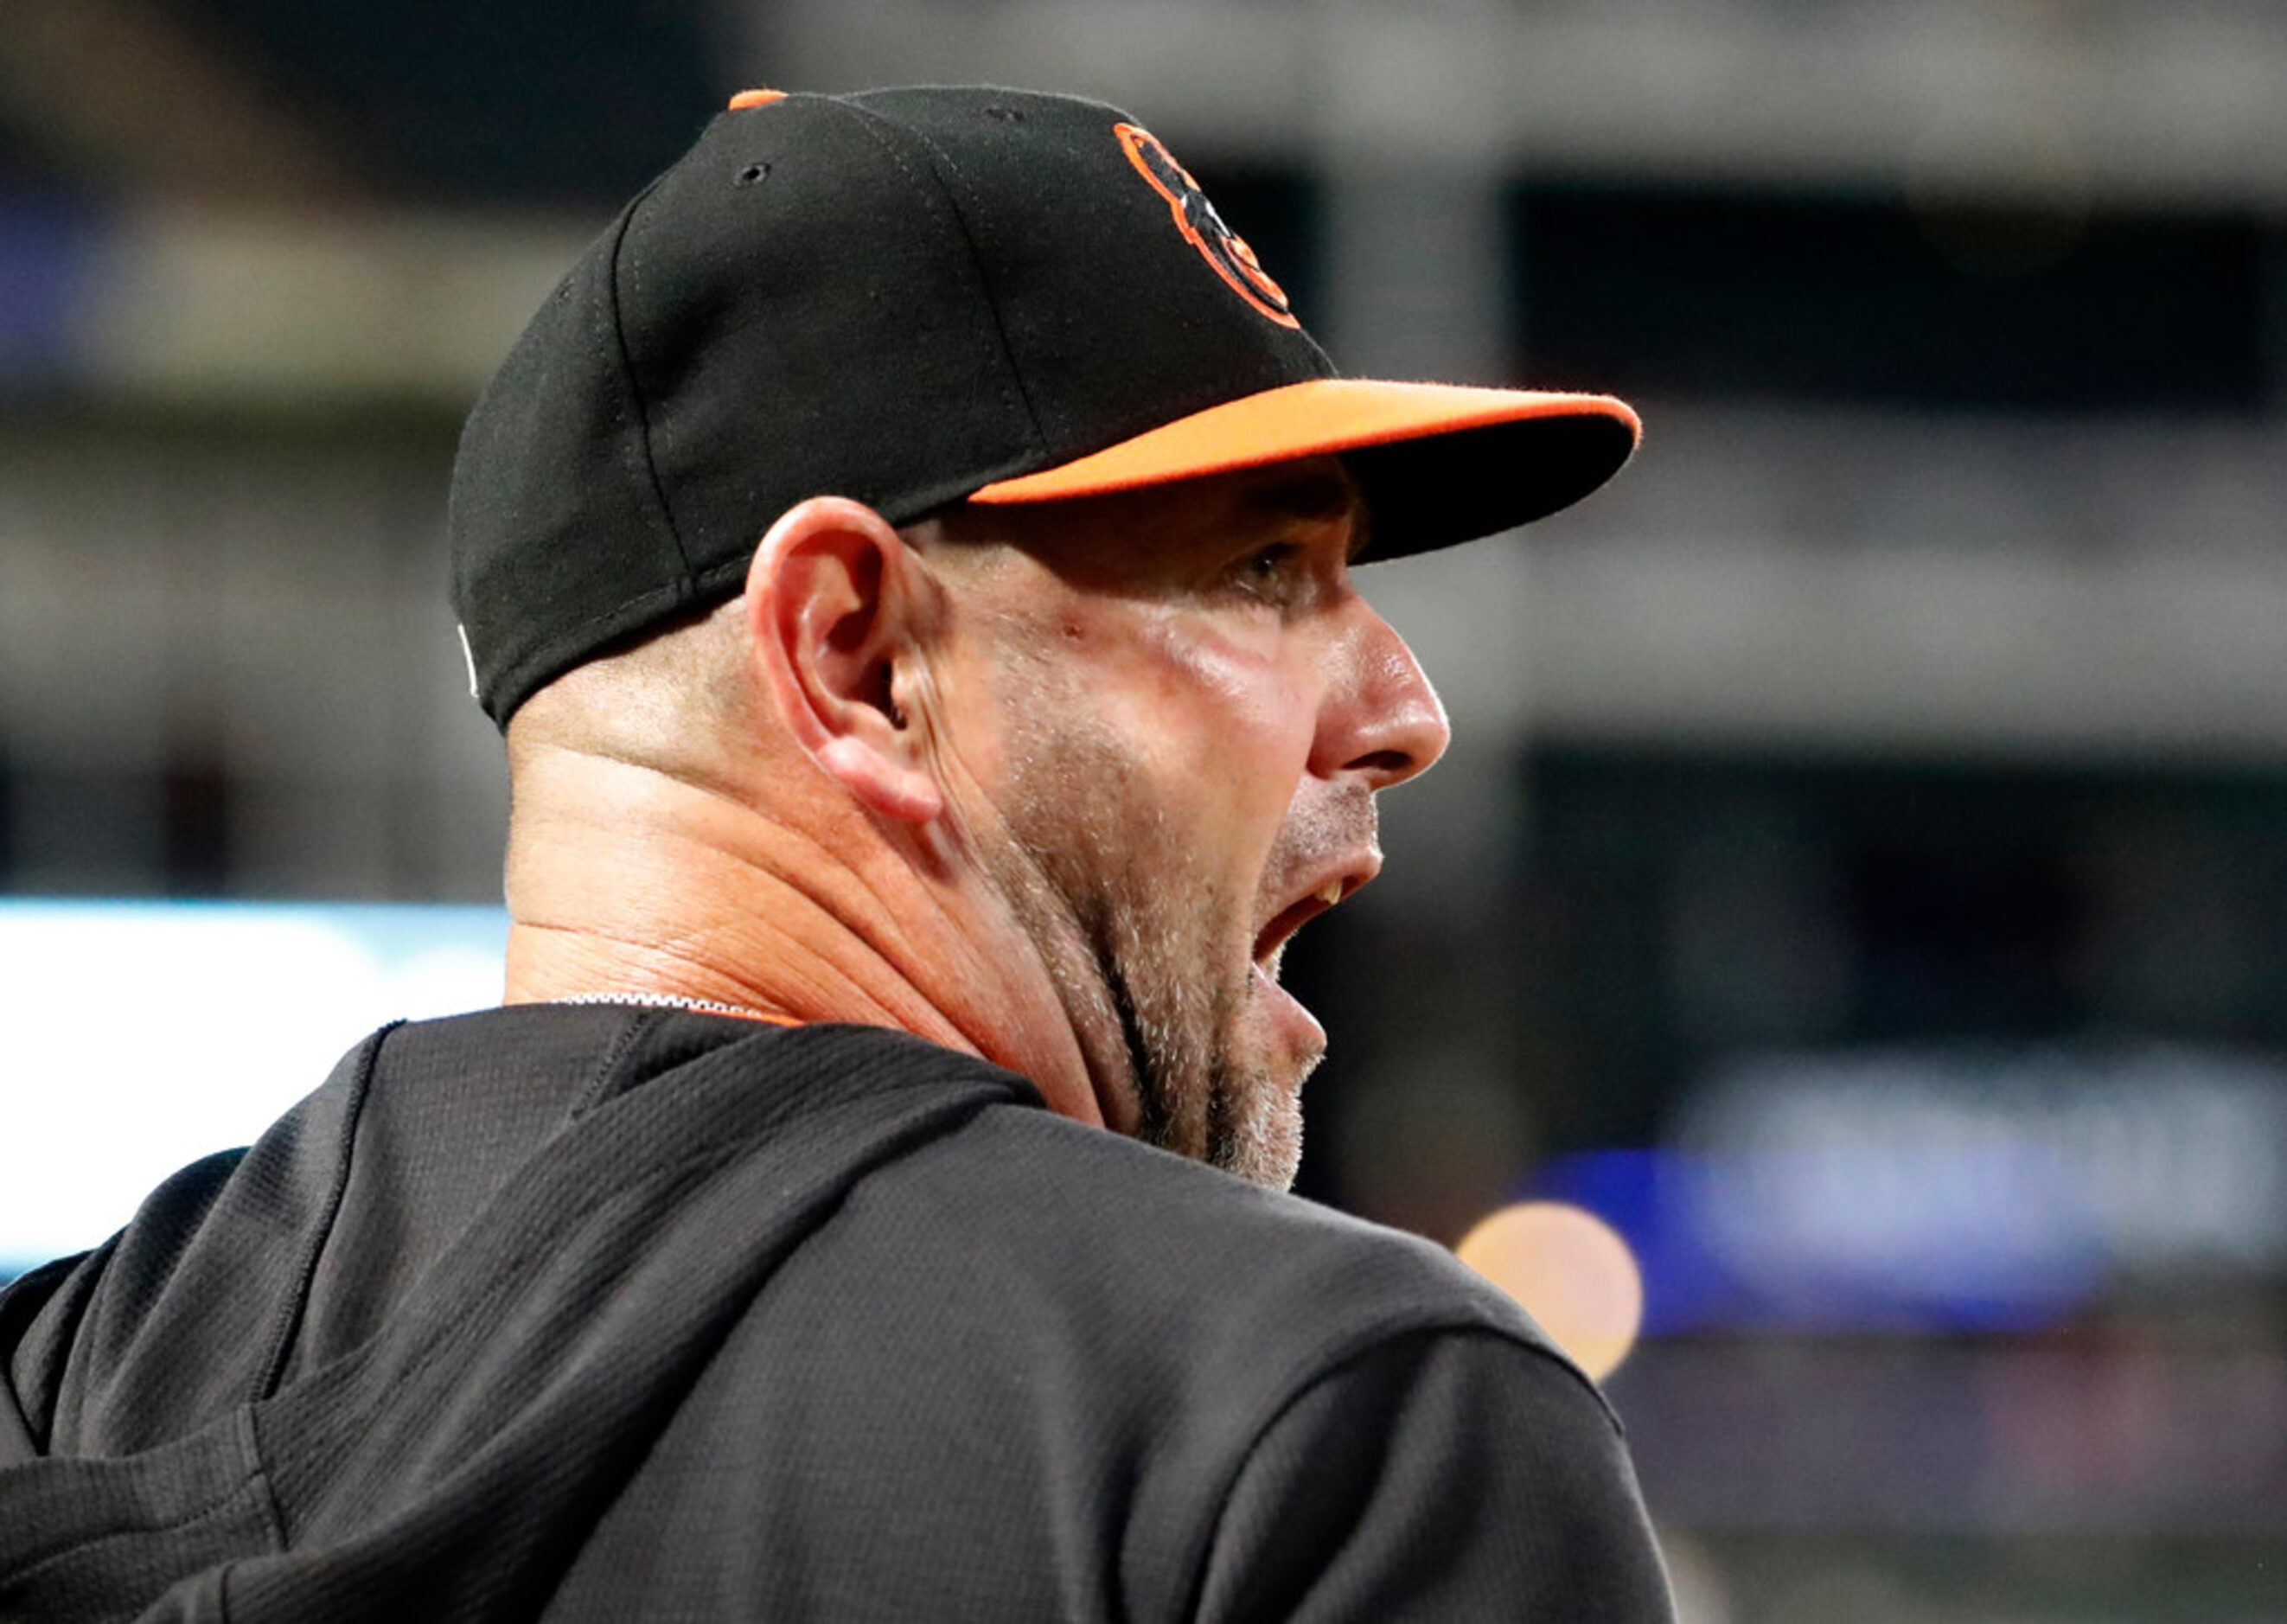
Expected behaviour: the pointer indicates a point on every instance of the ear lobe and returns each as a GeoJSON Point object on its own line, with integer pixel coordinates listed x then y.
{"type": "Point", "coordinates": [830, 610]}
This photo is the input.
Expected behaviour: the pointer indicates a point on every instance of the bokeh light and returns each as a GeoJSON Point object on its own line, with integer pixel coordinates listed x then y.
{"type": "Point", "coordinates": [1573, 1273]}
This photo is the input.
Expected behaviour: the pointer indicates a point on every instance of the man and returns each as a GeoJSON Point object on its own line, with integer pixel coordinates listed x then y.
{"type": "Point", "coordinates": [910, 559]}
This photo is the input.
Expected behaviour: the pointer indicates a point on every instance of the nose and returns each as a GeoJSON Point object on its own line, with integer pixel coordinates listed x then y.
{"type": "Point", "coordinates": [1381, 720]}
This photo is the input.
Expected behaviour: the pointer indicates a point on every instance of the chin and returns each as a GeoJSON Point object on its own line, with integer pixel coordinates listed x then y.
{"type": "Point", "coordinates": [1256, 1125]}
{"type": "Point", "coordinates": [1265, 1146]}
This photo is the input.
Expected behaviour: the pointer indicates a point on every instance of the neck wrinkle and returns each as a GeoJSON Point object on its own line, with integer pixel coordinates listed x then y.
{"type": "Point", "coordinates": [622, 879]}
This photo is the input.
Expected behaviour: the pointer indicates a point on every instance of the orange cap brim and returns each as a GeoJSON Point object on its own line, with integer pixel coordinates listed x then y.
{"type": "Point", "coordinates": [1335, 414]}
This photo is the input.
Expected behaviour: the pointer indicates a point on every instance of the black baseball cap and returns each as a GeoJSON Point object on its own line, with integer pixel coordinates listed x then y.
{"type": "Point", "coordinates": [919, 298]}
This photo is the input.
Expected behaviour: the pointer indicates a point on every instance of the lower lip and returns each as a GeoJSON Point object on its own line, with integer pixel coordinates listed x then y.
{"type": "Point", "coordinates": [1298, 1029]}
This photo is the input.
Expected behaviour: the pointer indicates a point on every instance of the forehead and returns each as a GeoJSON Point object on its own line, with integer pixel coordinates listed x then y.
{"type": "Point", "coordinates": [1168, 529]}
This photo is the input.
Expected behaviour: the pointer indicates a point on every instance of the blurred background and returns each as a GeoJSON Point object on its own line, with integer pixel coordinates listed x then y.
{"type": "Point", "coordinates": [1861, 876]}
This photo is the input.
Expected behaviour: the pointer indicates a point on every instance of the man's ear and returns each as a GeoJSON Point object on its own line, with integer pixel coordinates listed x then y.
{"type": "Point", "coordinates": [832, 618]}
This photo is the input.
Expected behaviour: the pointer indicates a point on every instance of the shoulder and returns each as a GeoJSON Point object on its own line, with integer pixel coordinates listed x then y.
{"type": "Point", "coordinates": [1315, 1416]}
{"type": "Point", "coordinates": [1169, 1271]}
{"type": "Point", "coordinates": [1437, 1475]}
{"type": "Point", "coordinates": [1095, 1369]}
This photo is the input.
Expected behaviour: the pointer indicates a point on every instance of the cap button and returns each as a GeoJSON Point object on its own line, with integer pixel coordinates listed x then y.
{"type": "Point", "coordinates": [744, 99]}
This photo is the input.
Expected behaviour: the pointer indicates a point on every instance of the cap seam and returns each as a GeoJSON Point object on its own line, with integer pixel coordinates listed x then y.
{"type": "Point", "coordinates": [635, 385]}
{"type": "Point", "coordinates": [1015, 374]}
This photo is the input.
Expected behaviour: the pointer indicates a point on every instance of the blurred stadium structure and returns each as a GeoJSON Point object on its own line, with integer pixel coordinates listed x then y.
{"type": "Point", "coordinates": [1861, 873]}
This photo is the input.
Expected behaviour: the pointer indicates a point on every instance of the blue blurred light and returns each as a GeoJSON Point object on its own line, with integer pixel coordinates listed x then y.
{"type": "Point", "coordinates": [49, 256]}
{"type": "Point", "coordinates": [1798, 1241]}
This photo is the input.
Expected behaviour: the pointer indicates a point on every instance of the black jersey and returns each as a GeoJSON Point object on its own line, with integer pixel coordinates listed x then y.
{"type": "Point", "coordinates": [595, 1313]}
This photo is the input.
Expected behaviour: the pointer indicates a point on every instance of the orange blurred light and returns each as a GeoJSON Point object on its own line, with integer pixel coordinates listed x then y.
{"type": "Point", "coordinates": [1572, 1272]}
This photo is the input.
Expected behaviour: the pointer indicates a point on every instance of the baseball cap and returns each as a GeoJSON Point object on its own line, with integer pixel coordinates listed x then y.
{"type": "Point", "coordinates": [917, 298]}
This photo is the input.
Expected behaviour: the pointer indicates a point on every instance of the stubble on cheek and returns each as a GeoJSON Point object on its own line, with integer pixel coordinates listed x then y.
{"type": "Point", "coordinates": [1134, 928]}
{"type": "Point", "coordinates": [1114, 904]}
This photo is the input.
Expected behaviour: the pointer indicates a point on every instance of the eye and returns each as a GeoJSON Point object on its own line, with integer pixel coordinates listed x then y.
{"type": "Point", "coordinates": [1272, 573]}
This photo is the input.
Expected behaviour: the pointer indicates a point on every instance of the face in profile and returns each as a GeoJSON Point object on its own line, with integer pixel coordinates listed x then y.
{"type": "Point", "coordinates": [1171, 711]}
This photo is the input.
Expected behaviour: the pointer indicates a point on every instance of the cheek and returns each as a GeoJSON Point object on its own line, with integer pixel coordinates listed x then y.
{"type": "Point", "coordinates": [1233, 715]}
{"type": "Point", "coordinates": [1219, 723]}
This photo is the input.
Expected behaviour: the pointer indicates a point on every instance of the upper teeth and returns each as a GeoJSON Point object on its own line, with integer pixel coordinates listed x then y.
{"type": "Point", "coordinates": [1332, 893]}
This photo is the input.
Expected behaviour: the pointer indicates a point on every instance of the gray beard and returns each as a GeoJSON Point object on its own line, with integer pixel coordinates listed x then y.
{"type": "Point", "coordinates": [1114, 899]}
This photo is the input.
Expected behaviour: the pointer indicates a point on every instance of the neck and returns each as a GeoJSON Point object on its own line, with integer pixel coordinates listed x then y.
{"type": "Point", "coordinates": [624, 880]}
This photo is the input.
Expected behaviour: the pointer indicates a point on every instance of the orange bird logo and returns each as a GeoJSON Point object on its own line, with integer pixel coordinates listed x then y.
{"type": "Point", "coordinates": [1223, 248]}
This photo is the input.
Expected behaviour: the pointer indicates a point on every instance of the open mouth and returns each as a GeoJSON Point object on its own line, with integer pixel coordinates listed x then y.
{"type": "Point", "coordinates": [1271, 946]}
